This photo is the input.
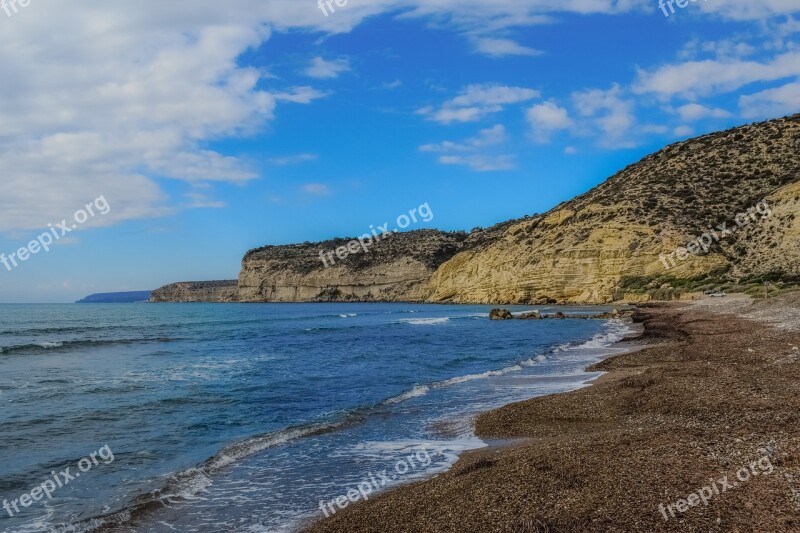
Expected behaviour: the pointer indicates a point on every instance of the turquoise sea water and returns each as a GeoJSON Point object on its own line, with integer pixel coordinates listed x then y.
{"type": "Point", "coordinates": [255, 417]}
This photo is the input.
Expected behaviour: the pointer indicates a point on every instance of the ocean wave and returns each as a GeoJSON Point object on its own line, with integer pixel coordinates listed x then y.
{"type": "Point", "coordinates": [417, 391]}
{"type": "Point", "coordinates": [348, 315]}
{"type": "Point", "coordinates": [616, 330]}
{"type": "Point", "coordinates": [238, 451]}
{"type": "Point", "coordinates": [48, 346]}
{"type": "Point", "coordinates": [188, 484]}
{"type": "Point", "coordinates": [425, 321]}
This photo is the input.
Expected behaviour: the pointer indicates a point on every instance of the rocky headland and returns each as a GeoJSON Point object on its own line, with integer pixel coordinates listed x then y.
{"type": "Point", "coordinates": [607, 245]}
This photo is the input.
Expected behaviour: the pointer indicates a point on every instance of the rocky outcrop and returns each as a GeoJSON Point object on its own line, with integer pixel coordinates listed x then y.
{"type": "Point", "coordinates": [500, 314]}
{"type": "Point", "coordinates": [198, 291]}
{"type": "Point", "coordinates": [397, 267]}
{"type": "Point", "coordinates": [505, 314]}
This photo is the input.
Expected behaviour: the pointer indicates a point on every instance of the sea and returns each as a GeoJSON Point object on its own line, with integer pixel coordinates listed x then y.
{"type": "Point", "coordinates": [256, 417]}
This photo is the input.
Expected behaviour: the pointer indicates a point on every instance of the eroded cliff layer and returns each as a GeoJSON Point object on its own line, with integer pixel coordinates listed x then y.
{"type": "Point", "coordinates": [395, 268]}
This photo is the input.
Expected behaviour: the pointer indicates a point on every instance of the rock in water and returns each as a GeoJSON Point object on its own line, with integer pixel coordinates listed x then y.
{"type": "Point", "coordinates": [500, 314]}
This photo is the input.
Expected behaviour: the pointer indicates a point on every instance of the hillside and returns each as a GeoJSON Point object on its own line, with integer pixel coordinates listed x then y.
{"type": "Point", "coordinates": [605, 244]}
{"type": "Point", "coordinates": [116, 297]}
{"type": "Point", "coordinates": [612, 243]}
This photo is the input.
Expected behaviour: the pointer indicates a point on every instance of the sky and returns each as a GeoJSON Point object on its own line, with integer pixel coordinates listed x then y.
{"type": "Point", "coordinates": [210, 128]}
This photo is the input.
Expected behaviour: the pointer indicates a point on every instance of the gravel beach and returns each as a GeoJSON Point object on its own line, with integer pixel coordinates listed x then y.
{"type": "Point", "coordinates": [697, 431]}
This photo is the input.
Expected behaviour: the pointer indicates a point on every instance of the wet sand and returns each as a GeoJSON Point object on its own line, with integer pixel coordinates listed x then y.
{"type": "Point", "coordinates": [715, 388]}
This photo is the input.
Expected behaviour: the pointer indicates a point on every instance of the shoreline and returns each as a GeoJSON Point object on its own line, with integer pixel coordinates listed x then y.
{"type": "Point", "coordinates": [680, 407]}
{"type": "Point", "coordinates": [630, 343]}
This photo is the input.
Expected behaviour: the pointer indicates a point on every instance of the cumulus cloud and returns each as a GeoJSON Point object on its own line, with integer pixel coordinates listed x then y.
{"type": "Point", "coordinates": [488, 137]}
{"type": "Point", "coordinates": [319, 68]}
{"type": "Point", "coordinates": [480, 163]}
{"type": "Point", "coordinates": [775, 102]}
{"type": "Point", "coordinates": [477, 101]}
{"type": "Point", "coordinates": [503, 47]}
{"type": "Point", "coordinates": [692, 112]}
{"type": "Point", "coordinates": [292, 159]}
{"type": "Point", "coordinates": [699, 78]}
{"type": "Point", "coordinates": [111, 99]}
{"type": "Point", "coordinates": [465, 152]}
{"type": "Point", "coordinates": [610, 112]}
{"type": "Point", "coordinates": [546, 118]}
{"type": "Point", "coordinates": [115, 98]}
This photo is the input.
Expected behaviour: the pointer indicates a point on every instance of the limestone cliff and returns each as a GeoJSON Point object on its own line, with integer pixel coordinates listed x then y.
{"type": "Point", "coordinates": [395, 268]}
{"type": "Point", "coordinates": [584, 250]}
{"type": "Point", "coordinates": [197, 291]}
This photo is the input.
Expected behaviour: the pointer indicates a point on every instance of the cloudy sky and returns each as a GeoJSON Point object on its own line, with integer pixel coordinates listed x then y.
{"type": "Point", "coordinates": [214, 127]}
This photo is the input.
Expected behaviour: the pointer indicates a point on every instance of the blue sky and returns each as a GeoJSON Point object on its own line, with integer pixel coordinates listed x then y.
{"type": "Point", "coordinates": [214, 128]}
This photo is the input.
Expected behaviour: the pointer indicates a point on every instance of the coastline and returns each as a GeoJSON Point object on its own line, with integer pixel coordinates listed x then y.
{"type": "Point", "coordinates": [700, 393]}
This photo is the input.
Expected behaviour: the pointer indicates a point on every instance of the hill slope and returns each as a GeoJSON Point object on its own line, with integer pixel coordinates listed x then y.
{"type": "Point", "coordinates": [588, 249]}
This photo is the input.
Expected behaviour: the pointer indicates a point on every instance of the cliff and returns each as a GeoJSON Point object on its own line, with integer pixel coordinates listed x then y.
{"type": "Point", "coordinates": [606, 244]}
{"type": "Point", "coordinates": [616, 242]}
{"type": "Point", "coordinates": [197, 291]}
{"type": "Point", "coordinates": [394, 268]}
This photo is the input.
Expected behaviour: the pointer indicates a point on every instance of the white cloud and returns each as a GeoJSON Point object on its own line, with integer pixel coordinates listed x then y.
{"type": "Point", "coordinates": [292, 159]}
{"type": "Point", "coordinates": [608, 112]}
{"type": "Point", "coordinates": [488, 137]}
{"type": "Point", "coordinates": [111, 98]}
{"type": "Point", "coordinates": [300, 95]}
{"type": "Point", "coordinates": [114, 97]}
{"type": "Point", "coordinates": [547, 118]}
{"type": "Point", "coordinates": [749, 9]}
{"type": "Point", "coordinates": [698, 78]}
{"type": "Point", "coordinates": [477, 101]}
{"type": "Point", "coordinates": [198, 200]}
{"type": "Point", "coordinates": [465, 152]}
{"type": "Point", "coordinates": [692, 112]}
{"type": "Point", "coordinates": [480, 163]}
{"type": "Point", "coordinates": [317, 189]}
{"type": "Point", "coordinates": [503, 47]}
{"type": "Point", "coordinates": [390, 86]}
{"type": "Point", "coordinates": [775, 102]}
{"type": "Point", "coordinates": [322, 69]}
{"type": "Point", "coordinates": [683, 131]}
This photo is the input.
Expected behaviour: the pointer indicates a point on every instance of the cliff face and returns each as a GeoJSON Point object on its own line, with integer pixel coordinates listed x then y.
{"type": "Point", "coordinates": [395, 268]}
{"type": "Point", "coordinates": [609, 244]}
{"type": "Point", "coordinates": [197, 291]}
{"type": "Point", "coordinates": [584, 249]}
